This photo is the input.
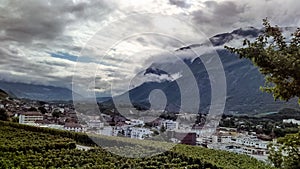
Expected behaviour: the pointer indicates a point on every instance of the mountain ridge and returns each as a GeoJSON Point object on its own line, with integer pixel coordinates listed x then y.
{"type": "Point", "coordinates": [243, 80]}
{"type": "Point", "coordinates": [36, 92]}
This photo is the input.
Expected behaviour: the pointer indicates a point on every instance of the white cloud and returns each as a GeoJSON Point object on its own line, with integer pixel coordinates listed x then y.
{"type": "Point", "coordinates": [30, 30]}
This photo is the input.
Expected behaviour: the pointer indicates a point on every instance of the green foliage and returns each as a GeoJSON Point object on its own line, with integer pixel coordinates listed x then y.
{"type": "Point", "coordinates": [3, 115]}
{"type": "Point", "coordinates": [13, 139]}
{"type": "Point", "coordinates": [42, 110]}
{"type": "Point", "coordinates": [286, 153]}
{"type": "Point", "coordinates": [285, 113]}
{"type": "Point", "coordinates": [56, 113]}
{"type": "Point", "coordinates": [277, 59]}
{"type": "Point", "coordinates": [15, 119]}
{"type": "Point", "coordinates": [32, 109]}
{"type": "Point", "coordinates": [267, 126]}
{"type": "Point", "coordinates": [162, 129]}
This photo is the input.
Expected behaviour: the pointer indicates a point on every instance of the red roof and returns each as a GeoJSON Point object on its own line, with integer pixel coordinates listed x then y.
{"type": "Point", "coordinates": [73, 125]}
{"type": "Point", "coordinates": [186, 138]}
{"type": "Point", "coordinates": [32, 113]}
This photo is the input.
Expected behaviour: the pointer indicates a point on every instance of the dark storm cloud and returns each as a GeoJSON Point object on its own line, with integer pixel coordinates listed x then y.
{"type": "Point", "coordinates": [16, 68]}
{"type": "Point", "coordinates": [224, 16]}
{"type": "Point", "coordinates": [226, 9]}
{"type": "Point", "coordinates": [29, 29]}
{"type": "Point", "coordinates": [24, 21]}
{"type": "Point", "coordinates": [217, 15]}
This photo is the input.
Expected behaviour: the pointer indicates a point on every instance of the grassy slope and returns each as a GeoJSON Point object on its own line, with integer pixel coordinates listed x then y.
{"type": "Point", "coordinates": [188, 154]}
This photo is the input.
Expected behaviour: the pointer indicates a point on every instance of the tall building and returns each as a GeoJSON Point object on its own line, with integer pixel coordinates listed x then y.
{"type": "Point", "coordinates": [170, 125]}
{"type": "Point", "coordinates": [30, 117]}
{"type": "Point", "coordinates": [73, 127]}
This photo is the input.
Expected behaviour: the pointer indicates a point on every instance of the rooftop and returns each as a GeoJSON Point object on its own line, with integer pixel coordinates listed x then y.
{"type": "Point", "coordinates": [73, 125]}
{"type": "Point", "coordinates": [32, 113]}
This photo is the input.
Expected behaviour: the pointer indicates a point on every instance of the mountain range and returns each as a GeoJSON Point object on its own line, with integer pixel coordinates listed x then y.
{"type": "Point", "coordinates": [243, 82]}
{"type": "Point", "coordinates": [36, 92]}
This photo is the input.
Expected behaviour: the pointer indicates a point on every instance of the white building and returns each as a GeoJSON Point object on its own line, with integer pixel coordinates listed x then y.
{"type": "Point", "coordinates": [226, 139]}
{"type": "Point", "coordinates": [116, 130]}
{"type": "Point", "coordinates": [73, 127]}
{"type": "Point", "coordinates": [293, 121]}
{"type": "Point", "coordinates": [95, 124]}
{"type": "Point", "coordinates": [252, 141]}
{"type": "Point", "coordinates": [30, 117]}
{"type": "Point", "coordinates": [262, 144]}
{"type": "Point", "coordinates": [107, 131]}
{"type": "Point", "coordinates": [136, 122]}
{"type": "Point", "coordinates": [214, 139]}
{"type": "Point", "coordinates": [204, 140]}
{"type": "Point", "coordinates": [140, 133]}
{"type": "Point", "coordinates": [170, 125]}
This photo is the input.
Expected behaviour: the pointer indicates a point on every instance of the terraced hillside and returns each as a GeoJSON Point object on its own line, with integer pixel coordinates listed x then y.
{"type": "Point", "coordinates": [31, 147]}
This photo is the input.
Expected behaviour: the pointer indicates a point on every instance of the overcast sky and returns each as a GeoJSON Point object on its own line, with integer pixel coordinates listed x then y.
{"type": "Point", "coordinates": [40, 40]}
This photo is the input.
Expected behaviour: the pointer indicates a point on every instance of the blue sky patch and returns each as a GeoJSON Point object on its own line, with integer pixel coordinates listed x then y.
{"type": "Point", "coordinates": [63, 55]}
{"type": "Point", "coordinates": [67, 56]}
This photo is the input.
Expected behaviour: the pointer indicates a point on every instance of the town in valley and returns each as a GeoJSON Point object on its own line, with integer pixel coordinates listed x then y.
{"type": "Point", "coordinates": [241, 134]}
